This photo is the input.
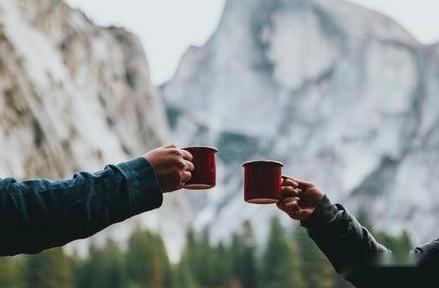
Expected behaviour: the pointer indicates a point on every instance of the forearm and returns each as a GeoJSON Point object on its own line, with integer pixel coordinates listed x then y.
{"type": "Point", "coordinates": [343, 240]}
{"type": "Point", "coordinates": [35, 215]}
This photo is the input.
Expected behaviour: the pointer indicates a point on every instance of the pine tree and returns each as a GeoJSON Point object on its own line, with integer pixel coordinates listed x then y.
{"type": "Point", "coordinates": [184, 277]}
{"type": "Point", "coordinates": [281, 267]}
{"type": "Point", "coordinates": [190, 260]}
{"type": "Point", "coordinates": [363, 219]}
{"type": "Point", "coordinates": [206, 261]}
{"type": "Point", "coordinates": [222, 265]}
{"type": "Point", "coordinates": [405, 243]}
{"type": "Point", "coordinates": [9, 272]}
{"type": "Point", "coordinates": [163, 262]}
{"type": "Point", "coordinates": [49, 269]}
{"type": "Point", "coordinates": [235, 252]}
{"type": "Point", "coordinates": [199, 256]}
{"type": "Point", "coordinates": [399, 245]}
{"type": "Point", "coordinates": [316, 269]}
{"type": "Point", "coordinates": [245, 265]}
{"type": "Point", "coordinates": [104, 268]}
{"type": "Point", "coordinates": [147, 262]}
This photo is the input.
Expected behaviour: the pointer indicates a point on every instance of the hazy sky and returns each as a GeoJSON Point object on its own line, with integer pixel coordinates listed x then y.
{"type": "Point", "coordinates": [167, 27]}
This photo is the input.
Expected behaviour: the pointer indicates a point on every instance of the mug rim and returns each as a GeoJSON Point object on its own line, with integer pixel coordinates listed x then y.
{"type": "Point", "coordinates": [263, 162]}
{"type": "Point", "coordinates": [211, 148]}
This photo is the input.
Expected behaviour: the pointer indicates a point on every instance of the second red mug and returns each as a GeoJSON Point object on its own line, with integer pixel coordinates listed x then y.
{"type": "Point", "coordinates": [204, 174]}
{"type": "Point", "coordinates": [262, 181]}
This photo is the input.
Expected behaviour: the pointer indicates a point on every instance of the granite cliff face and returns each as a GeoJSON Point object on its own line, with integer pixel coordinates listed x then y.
{"type": "Point", "coordinates": [73, 97]}
{"type": "Point", "coordinates": [341, 94]}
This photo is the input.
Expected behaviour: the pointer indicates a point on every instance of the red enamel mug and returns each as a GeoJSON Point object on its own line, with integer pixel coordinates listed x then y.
{"type": "Point", "coordinates": [262, 181]}
{"type": "Point", "coordinates": [204, 174]}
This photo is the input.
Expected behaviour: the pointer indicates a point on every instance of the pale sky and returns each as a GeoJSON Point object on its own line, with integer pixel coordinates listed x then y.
{"type": "Point", "coordinates": [168, 27]}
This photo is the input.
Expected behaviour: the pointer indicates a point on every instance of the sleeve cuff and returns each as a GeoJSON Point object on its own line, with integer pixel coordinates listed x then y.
{"type": "Point", "coordinates": [324, 212]}
{"type": "Point", "coordinates": [143, 187]}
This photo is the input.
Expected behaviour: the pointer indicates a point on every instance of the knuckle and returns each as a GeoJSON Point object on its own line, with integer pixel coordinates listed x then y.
{"type": "Point", "coordinates": [180, 163]}
{"type": "Point", "coordinates": [174, 151]}
{"type": "Point", "coordinates": [185, 174]}
{"type": "Point", "coordinates": [176, 161]}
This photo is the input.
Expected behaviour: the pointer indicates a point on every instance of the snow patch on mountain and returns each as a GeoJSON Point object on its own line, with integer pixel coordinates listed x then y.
{"type": "Point", "coordinates": [75, 97]}
{"type": "Point", "coordinates": [341, 94]}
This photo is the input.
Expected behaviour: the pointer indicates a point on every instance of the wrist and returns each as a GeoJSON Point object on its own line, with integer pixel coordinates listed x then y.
{"type": "Point", "coordinates": [323, 213]}
{"type": "Point", "coordinates": [144, 190]}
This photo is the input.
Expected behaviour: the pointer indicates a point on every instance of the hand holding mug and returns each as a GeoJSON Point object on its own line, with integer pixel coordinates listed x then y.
{"type": "Point", "coordinates": [172, 166]}
{"type": "Point", "coordinates": [299, 198]}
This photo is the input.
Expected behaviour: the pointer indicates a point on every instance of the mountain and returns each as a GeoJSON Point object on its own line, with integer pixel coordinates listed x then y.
{"type": "Point", "coordinates": [74, 97]}
{"type": "Point", "coordinates": [342, 95]}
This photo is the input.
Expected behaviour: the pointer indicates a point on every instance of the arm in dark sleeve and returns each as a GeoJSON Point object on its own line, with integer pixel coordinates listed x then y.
{"type": "Point", "coordinates": [347, 245]}
{"type": "Point", "coordinates": [428, 255]}
{"type": "Point", "coordinates": [40, 214]}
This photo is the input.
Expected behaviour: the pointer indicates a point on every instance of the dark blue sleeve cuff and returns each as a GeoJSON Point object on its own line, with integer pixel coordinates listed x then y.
{"type": "Point", "coordinates": [324, 213]}
{"type": "Point", "coordinates": [143, 187]}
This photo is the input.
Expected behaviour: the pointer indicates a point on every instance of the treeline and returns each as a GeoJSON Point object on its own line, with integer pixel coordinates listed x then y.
{"type": "Point", "coordinates": [288, 259]}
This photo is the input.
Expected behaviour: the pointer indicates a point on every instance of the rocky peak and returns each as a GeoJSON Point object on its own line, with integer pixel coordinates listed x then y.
{"type": "Point", "coordinates": [75, 97]}
{"type": "Point", "coordinates": [341, 94]}
{"type": "Point", "coordinates": [81, 92]}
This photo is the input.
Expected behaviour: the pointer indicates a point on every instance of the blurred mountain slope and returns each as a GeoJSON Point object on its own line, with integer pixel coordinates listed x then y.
{"type": "Point", "coordinates": [73, 97]}
{"type": "Point", "coordinates": [343, 95]}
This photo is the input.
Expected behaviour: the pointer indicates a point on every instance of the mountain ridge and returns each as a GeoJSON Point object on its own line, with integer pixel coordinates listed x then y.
{"type": "Point", "coordinates": [341, 94]}
{"type": "Point", "coordinates": [75, 97]}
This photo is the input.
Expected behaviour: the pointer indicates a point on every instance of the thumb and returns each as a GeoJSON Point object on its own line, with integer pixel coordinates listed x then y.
{"type": "Point", "coordinates": [169, 146]}
{"type": "Point", "coordinates": [281, 204]}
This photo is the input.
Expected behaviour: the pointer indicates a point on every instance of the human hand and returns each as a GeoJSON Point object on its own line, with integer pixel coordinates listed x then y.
{"type": "Point", "coordinates": [172, 166]}
{"type": "Point", "coordinates": [299, 198]}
